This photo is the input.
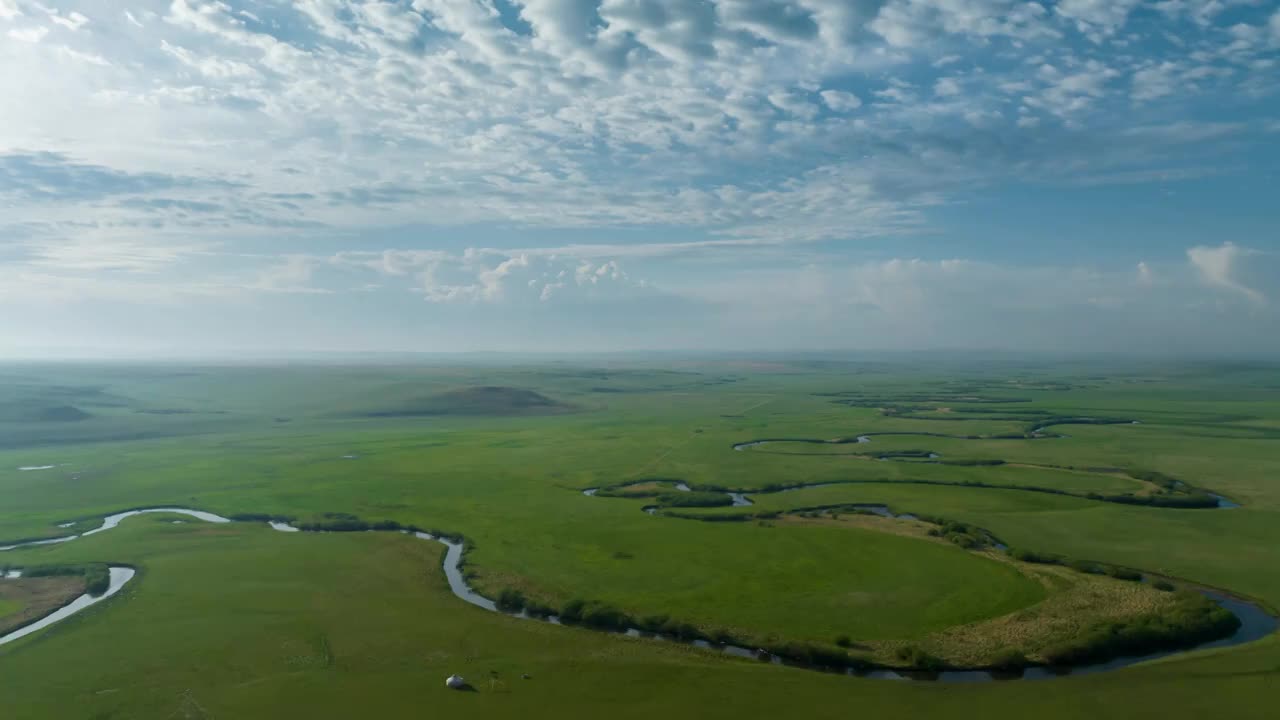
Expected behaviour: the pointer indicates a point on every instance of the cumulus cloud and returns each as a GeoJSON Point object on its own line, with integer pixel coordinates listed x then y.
{"type": "Point", "coordinates": [1145, 276]}
{"type": "Point", "coordinates": [1155, 82]}
{"type": "Point", "coordinates": [493, 276]}
{"type": "Point", "coordinates": [840, 101]}
{"type": "Point", "coordinates": [30, 34]}
{"type": "Point", "coordinates": [1219, 266]}
{"type": "Point", "coordinates": [1101, 16]}
{"type": "Point", "coordinates": [72, 21]}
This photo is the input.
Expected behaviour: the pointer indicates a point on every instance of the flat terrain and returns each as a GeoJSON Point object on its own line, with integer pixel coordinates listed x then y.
{"type": "Point", "coordinates": [240, 621]}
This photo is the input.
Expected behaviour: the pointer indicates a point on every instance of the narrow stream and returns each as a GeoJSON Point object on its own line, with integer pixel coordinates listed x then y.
{"type": "Point", "coordinates": [1255, 622]}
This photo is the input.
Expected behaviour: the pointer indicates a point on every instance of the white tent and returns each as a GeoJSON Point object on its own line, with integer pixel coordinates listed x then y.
{"type": "Point", "coordinates": [455, 681]}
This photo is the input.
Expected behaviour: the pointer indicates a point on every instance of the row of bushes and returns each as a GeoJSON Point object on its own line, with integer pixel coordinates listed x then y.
{"type": "Point", "coordinates": [972, 462]}
{"type": "Point", "coordinates": [1188, 501]}
{"type": "Point", "coordinates": [918, 659]}
{"type": "Point", "coordinates": [350, 525]}
{"type": "Point", "coordinates": [1195, 620]}
{"type": "Point", "coordinates": [1197, 500]}
{"type": "Point", "coordinates": [1073, 420]}
{"type": "Point", "coordinates": [601, 616]}
{"type": "Point", "coordinates": [969, 537]}
{"type": "Point", "coordinates": [891, 454]}
{"type": "Point", "coordinates": [693, 499]}
{"type": "Point", "coordinates": [345, 522]}
{"type": "Point", "coordinates": [261, 517]}
{"type": "Point", "coordinates": [1084, 566]}
{"type": "Point", "coordinates": [858, 399]}
{"type": "Point", "coordinates": [1168, 482]}
{"type": "Point", "coordinates": [97, 576]}
{"type": "Point", "coordinates": [511, 600]}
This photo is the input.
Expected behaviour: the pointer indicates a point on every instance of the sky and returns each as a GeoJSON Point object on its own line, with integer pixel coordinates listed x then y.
{"type": "Point", "coordinates": [228, 177]}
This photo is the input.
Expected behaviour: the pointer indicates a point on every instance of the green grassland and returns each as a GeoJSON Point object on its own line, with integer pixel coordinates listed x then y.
{"type": "Point", "coordinates": [241, 621]}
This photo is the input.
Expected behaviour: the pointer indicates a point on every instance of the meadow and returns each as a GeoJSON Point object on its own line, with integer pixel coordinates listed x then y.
{"type": "Point", "coordinates": [239, 621]}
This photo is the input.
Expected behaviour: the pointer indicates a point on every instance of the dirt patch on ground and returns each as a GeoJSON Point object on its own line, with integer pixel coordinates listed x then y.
{"type": "Point", "coordinates": [37, 597]}
{"type": "Point", "coordinates": [893, 526]}
{"type": "Point", "coordinates": [644, 489]}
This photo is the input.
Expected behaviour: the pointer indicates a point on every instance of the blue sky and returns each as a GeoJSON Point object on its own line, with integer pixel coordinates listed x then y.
{"type": "Point", "coordinates": [204, 176]}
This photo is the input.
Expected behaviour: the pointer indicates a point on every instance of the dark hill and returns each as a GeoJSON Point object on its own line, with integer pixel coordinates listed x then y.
{"type": "Point", "coordinates": [491, 400]}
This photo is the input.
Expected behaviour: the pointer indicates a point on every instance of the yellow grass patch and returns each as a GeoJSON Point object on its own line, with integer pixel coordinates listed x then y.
{"type": "Point", "coordinates": [37, 597]}
{"type": "Point", "coordinates": [893, 526]}
{"type": "Point", "coordinates": [1076, 602]}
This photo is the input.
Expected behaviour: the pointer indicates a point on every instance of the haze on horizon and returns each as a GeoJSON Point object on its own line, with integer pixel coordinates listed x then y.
{"type": "Point", "coordinates": [217, 177]}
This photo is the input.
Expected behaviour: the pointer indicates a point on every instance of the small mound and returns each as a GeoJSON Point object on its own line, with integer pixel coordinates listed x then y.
{"type": "Point", "coordinates": [490, 400]}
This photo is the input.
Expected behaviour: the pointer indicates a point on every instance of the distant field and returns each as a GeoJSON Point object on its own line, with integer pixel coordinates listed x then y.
{"type": "Point", "coordinates": [241, 621]}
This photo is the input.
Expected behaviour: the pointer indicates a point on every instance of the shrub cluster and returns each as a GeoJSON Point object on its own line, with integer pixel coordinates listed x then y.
{"type": "Point", "coordinates": [591, 613]}
{"type": "Point", "coordinates": [664, 625]}
{"type": "Point", "coordinates": [510, 600]}
{"type": "Point", "coordinates": [1196, 499]}
{"type": "Point", "coordinates": [97, 576]}
{"type": "Point", "coordinates": [1194, 620]}
{"type": "Point", "coordinates": [972, 462]}
{"type": "Point", "coordinates": [815, 655]}
{"type": "Point", "coordinates": [349, 524]}
{"type": "Point", "coordinates": [693, 499]}
{"type": "Point", "coordinates": [1072, 420]}
{"type": "Point", "coordinates": [969, 537]}
{"type": "Point", "coordinates": [261, 517]}
{"type": "Point", "coordinates": [1031, 556]}
{"type": "Point", "coordinates": [1010, 659]}
{"type": "Point", "coordinates": [918, 659]}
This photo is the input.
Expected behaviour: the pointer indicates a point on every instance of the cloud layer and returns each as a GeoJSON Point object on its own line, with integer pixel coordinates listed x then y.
{"type": "Point", "coordinates": [430, 158]}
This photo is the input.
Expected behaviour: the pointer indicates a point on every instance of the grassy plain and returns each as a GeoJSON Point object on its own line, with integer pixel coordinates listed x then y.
{"type": "Point", "coordinates": [239, 621]}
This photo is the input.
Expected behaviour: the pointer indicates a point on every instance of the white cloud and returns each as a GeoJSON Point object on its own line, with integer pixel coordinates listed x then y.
{"type": "Point", "coordinates": [794, 104]}
{"type": "Point", "coordinates": [1202, 12]}
{"type": "Point", "coordinates": [1074, 90]}
{"type": "Point", "coordinates": [1107, 16]}
{"type": "Point", "coordinates": [946, 87]}
{"type": "Point", "coordinates": [30, 34]}
{"type": "Point", "coordinates": [1218, 266]}
{"type": "Point", "coordinates": [1145, 276]}
{"type": "Point", "coordinates": [840, 101]}
{"type": "Point", "coordinates": [1155, 82]}
{"type": "Point", "coordinates": [72, 21]}
{"type": "Point", "coordinates": [514, 277]}
{"type": "Point", "coordinates": [912, 23]}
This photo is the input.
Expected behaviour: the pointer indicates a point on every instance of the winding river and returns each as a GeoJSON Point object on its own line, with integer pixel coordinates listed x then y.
{"type": "Point", "coordinates": [1255, 623]}
{"type": "Point", "coordinates": [1223, 503]}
